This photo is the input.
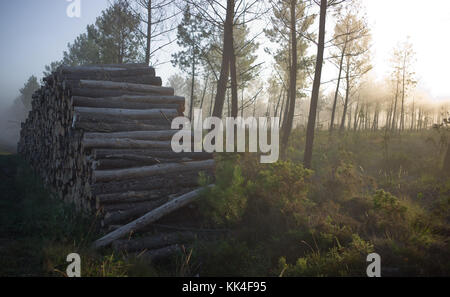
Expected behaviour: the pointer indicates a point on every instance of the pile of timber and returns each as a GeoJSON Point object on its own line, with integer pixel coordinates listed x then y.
{"type": "Point", "coordinates": [99, 136]}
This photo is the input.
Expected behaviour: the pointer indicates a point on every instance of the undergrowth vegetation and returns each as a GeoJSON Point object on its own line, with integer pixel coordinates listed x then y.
{"type": "Point", "coordinates": [369, 192]}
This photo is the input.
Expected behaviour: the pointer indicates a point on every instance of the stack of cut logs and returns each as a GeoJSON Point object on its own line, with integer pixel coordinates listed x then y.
{"type": "Point", "coordinates": [99, 136]}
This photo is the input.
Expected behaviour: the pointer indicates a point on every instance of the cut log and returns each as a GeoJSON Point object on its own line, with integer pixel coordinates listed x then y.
{"type": "Point", "coordinates": [178, 180]}
{"type": "Point", "coordinates": [149, 218]}
{"type": "Point", "coordinates": [124, 143]}
{"type": "Point", "coordinates": [124, 103]}
{"type": "Point", "coordinates": [148, 79]}
{"type": "Point", "coordinates": [154, 242]}
{"type": "Point", "coordinates": [126, 113]}
{"type": "Point", "coordinates": [147, 171]}
{"type": "Point", "coordinates": [131, 161]}
{"type": "Point", "coordinates": [135, 135]}
{"type": "Point", "coordinates": [123, 216]}
{"type": "Point", "coordinates": [95, 84]}
{"type": "Point", "coordinates": [103, 93]}
{"type": "Point", "coordinates": [107, 164]}
{"type": "Point", "coordinates": [133, 209]}
{"type": "Point", "coordinates": [117, 70]}
{"type": "Point", "coordinates": [148, 99]}
{"type": "Point", "coordinates": [91, 126]}
{"type": "Point", "coordinates": [134, 154]}
{"type": "Point", "coordinates": [131, 196]}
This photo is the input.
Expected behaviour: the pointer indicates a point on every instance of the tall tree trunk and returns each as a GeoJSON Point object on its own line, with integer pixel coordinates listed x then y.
{"type": "Point", "coordinates": [292, 82]}
{"type": "Point", "coordinates": [282, 114]}
{"type": "Point", "coordinates": [355, 120]}
{"type": "Point", "coordinates": [226, 56]}
{"type": "Point", "coordinates": [333, 111]}
{"type": "Point", "coordinates": [234, 88]}
{"type": "Point", "coordinates": [394, 120]}
{"type": "Point", "coordinates": [204, 91]}
{"type": "Point", "coordinates": [316, 86]}
{"type": "Point", "coordinates": [149, 32]}
{"type": "Point", "coordinates": [191, 106]}
{"type": "Point", "coordinates": [242, 103]}
{"type": "Point", "coordinates": [278, 103]}
{"type": "Point", "coordinates": [347, 95]}
{"type": "Point", "coordinates": [402, 117]}
{"type": "Point", "coordinates": [212, 101]}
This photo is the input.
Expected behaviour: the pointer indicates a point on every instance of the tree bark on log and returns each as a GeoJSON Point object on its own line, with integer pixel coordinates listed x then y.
{"type": "Point", "coordinates": [131, 196]}
{"type": "Point", "coordinates": [73, 79]}
{"type": "Point", "coordinates": [188, 179]}
{"type": "Point", "coordinates": [130, 102]}
{"type": "Point", "coordinates": [126, 113]}
{"type": "Point", "coordinates": [91, 126]}
{"type": "Point", "coordinates": [136, 135]}
{"type": "Point", "coordinates": [136, 154]}
{"type": "Point", "coordinates": [95, 84]}
{"type": "Point", "coordinates": [124, 143]}
{"type": "Point", "coordinates": [147, 171]}
{"type": "Point", "coordinates": [103, 93]}
{"type": "Point", "coordinates": [109, 70]}
{"type": "Point", "coordinates": [149, 218]}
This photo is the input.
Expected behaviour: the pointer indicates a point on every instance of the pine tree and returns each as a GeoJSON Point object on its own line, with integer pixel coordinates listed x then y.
{"type": "Point", "coordinates": [190, 34]}
{"type": "Point", "coordinates": [27, 91]}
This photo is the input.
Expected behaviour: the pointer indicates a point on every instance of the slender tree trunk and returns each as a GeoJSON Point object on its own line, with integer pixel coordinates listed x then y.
{"type": "Point", "coordinates": [394, 120]}
{"type": "Point", "coordinates": [226, 56]}
{"type": "Point", "coordinates": [282, 114]}
{"type": "Point", "coordinates": [347, 95]}
{"type": "Point", "coordinates": [336, 94]}
{"type": "Point", "coordinates": [402, 117]}
{"type": "Point", "coordinates": [292, 82]}
{"type": "Point", "coordinates": [279, 100]}
{"type": "Point", "coordinates": [242, 103]}
{"type": "Point", "coordinates": [191, 106]}
{"type": "Point", "coordinates": [228, 104]}
{"type": "Point", "coordinates": [149, 32]}
{"type": "Point", "coordinates": [204, 91]}
{"type": "Point", "coordinates": [212, 101]}
{"type": "Point", "coordinates": [316, 86]}
{"type": "Point", "coordinates": [234, 90]}
{"type": "Point", "coordinates": [355, 120]}
{"type": "Point", "coordinates": [389, 115]}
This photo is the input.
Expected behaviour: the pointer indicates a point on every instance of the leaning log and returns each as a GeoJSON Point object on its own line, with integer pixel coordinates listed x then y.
{"type": "Point", "coordinates": [149, 218]}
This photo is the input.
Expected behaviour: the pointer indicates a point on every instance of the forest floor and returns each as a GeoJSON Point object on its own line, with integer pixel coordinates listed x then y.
{"type": "Point", "coordinates": [370, 192]}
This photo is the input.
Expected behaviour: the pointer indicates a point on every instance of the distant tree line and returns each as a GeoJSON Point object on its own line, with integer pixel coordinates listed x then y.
{"type": "Point", "coordinates": [217, 46]}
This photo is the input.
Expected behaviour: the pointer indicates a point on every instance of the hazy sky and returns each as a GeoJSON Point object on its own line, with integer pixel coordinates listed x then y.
{"type": "Point", "coordinates": [428, 25]}
{"type": "Point", "coordinates": [35, 33]}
